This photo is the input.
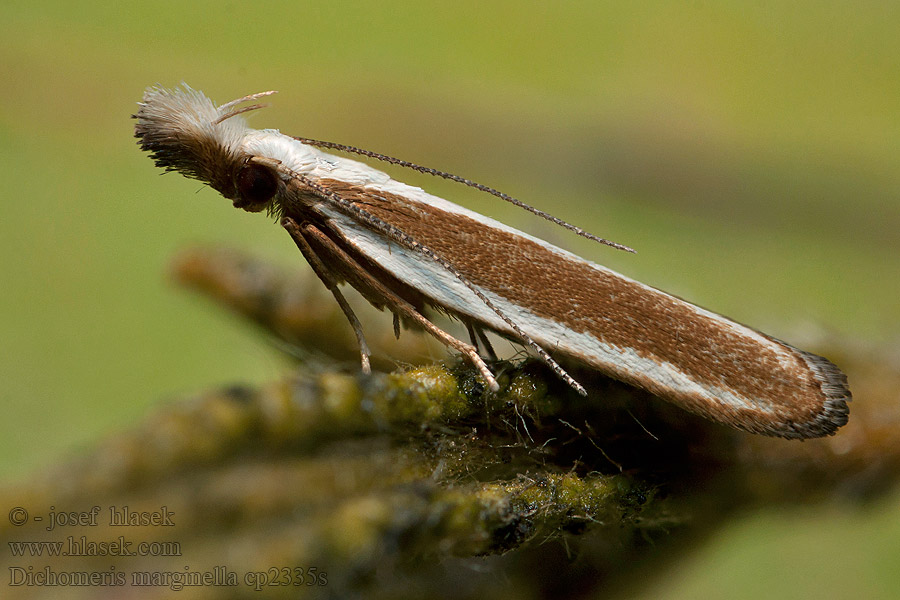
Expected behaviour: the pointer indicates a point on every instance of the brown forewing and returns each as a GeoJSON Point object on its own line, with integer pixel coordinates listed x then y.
{"type": "Point", "coordinates": [615, 310]}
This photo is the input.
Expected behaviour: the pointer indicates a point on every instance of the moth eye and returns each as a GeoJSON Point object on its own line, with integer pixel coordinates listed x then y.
{"type": "Point", "coordinates": [256, 185]}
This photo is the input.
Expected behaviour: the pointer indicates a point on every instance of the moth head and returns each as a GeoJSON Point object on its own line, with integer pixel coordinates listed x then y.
{"type": "Point", "coordinates": [184, 131]}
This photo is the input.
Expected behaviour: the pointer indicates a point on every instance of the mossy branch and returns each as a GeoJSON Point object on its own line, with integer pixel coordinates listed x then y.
{"type": "Point", "coordinates": [419, 482]}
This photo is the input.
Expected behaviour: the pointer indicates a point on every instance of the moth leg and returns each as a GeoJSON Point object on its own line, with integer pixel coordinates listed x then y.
{"type": "Point", "coordinates": [395, 302]}
{"type": "Point", "coordinates": [471, 330]}
{"type": "Point", "coordinates": [476, 335]}
{"type": "Point", "coordinates": [325, 275]}
{"type": "Point", "coordinates": [303, 184]}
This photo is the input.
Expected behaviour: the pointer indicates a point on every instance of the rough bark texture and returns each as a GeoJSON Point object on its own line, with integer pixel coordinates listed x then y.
{"type": "Point", "coordinates": [418, 483]}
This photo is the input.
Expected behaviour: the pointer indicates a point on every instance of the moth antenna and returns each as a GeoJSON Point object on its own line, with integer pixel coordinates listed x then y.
{"type": "Point", "coordinates": [468, 182]}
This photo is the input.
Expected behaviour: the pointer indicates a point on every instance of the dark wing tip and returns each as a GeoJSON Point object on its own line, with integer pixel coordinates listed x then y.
{"type": "Point", "coordinates": [835, 411]}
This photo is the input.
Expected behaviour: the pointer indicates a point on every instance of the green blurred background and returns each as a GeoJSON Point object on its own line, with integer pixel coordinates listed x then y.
{"type": "Point", "coordinates": [749, 151]}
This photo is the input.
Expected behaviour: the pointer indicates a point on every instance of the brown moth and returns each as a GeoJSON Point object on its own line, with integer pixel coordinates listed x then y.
{"type": "Point", "coordinates": [406, 250]}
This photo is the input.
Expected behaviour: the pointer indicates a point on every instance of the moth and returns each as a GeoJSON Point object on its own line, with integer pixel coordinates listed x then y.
{"type": "Point", "coordinates": [406, 250]}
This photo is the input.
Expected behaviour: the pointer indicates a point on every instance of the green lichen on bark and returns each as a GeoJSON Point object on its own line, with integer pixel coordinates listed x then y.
{"type": "Point", "coordinates": [419, 482]}
{"type": "Point", "coordinates": [352, 472]}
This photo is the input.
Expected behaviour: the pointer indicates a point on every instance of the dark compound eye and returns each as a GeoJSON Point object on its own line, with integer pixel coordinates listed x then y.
{"type": "Point", "coordinates": [256, 185]}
